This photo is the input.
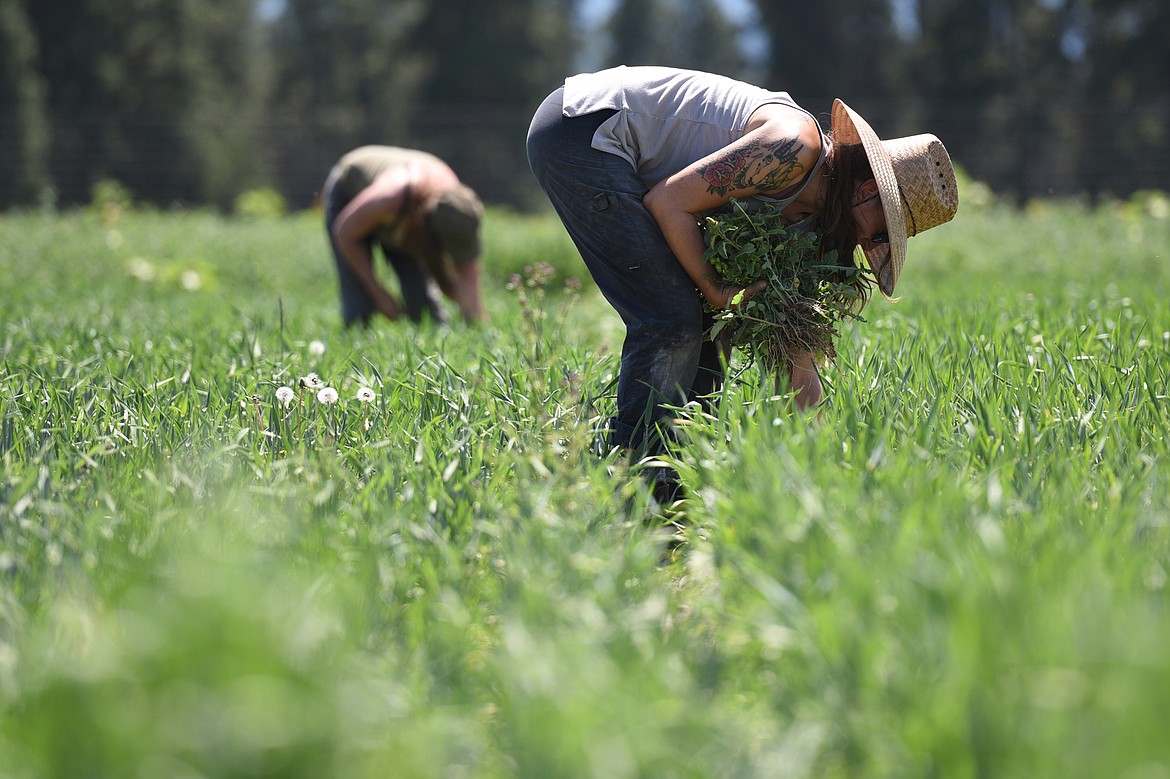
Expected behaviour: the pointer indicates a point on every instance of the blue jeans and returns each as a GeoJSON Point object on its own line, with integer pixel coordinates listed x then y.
{"type": "Point", "coordinates": [665, 358]}
{"type": "Point", "coordinates": [419, 292]}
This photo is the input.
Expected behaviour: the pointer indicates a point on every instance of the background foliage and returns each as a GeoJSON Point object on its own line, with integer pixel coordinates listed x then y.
{"type": "Point", "coordinates": [199, 100]}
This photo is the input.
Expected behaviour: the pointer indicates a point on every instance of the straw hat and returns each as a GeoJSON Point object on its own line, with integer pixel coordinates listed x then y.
{"type": "Point", "coordinates": [915, 179]}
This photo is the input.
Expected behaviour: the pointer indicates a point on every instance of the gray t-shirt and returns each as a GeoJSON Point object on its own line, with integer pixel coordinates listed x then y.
{"type": "Point", "coordinates": [667, 118]}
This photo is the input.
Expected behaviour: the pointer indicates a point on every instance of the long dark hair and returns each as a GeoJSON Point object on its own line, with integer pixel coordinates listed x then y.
{"type": "Point", "coordinates": [846, 166]}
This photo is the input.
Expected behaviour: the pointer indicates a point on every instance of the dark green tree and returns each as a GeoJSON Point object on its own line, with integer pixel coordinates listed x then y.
{"type": "Point", "coordinates": [694, 34]}
{"type": "Point", "coordinates": [75, 47]}
{"type": "Point", "coordinates": [708, 40]}
{"type": "Point", "coordinates": [23, 128]}
{"type": "Point", "coordinates": [1042, 97]}
{"type": "Point", "coordinates": [458, 78]}
{"type": "Point", "coordinates": [344, 76]}
{"type": "Point", "coordinates": [147, 92]}
{"type": "Point", "coordinates": [1045, 90]}
{"type": "Point", "coordinates": [634, 31]}
{"type": "Point", "coordinates": [835, 48]}
{"type": "Point", "coordinates": [224, 124]}
{"type": "Point", "coordinates": [995, 83]}
{"type": "Point", "coordinates": [1125, 113]}
{"type": "Point", "coordinates": [486, 65]}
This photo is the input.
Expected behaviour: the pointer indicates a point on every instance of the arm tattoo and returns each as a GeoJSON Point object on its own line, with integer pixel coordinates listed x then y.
{"type": "Point", "coordinates": [760, 166]}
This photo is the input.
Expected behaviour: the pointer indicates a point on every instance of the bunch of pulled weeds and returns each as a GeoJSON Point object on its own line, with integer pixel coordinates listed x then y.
{"type": "Point", "coordinates": [809, 293]}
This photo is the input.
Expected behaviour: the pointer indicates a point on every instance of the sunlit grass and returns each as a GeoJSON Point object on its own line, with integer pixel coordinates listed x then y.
{"type": "Point", "coordinates": [959, 568]}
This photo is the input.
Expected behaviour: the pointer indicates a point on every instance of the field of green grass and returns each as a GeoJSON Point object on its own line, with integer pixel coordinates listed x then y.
{"type": "Point", "coordinates": [960, 569]}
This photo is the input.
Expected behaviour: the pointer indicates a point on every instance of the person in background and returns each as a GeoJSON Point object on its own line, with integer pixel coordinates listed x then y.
{"type": "Point", "coordinates": [632, 157]}
{"type": "Point", "coordinates": [427, 223]}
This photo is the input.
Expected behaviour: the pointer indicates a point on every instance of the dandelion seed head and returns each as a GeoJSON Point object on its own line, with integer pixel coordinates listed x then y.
{"type": "Point", "coordinates": [141, 269]}
{"type": "Point", "coordinates": [312, 381]}
{"type": "Point", "coordinates": [327, 395]}
{"type": "Point", "coordinates": [365, 395]}
{"type": "Point", "coordinates": [284, 395]}
{"type": "Point", "coordinates": [190, 280]}
{"type": "Point", "coordinates": [316, 348]}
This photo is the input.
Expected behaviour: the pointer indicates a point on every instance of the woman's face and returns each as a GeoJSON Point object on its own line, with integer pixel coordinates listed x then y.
{"type": "Point", "coordinates": [870, 219]}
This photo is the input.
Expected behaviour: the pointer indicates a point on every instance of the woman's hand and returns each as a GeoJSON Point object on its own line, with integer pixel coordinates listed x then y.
{"type": "Point", "coordinates": [723, 296]}
{"type": "Point", "coordinates": [385, 304]}
{"type": "Point", "coordinates": [467, 293]}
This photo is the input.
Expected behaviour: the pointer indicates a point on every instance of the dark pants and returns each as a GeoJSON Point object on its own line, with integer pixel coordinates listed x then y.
{"type": "Point", "coordinates": [665, 358]}
{"type": "Point", "coordinates": [419, 292]}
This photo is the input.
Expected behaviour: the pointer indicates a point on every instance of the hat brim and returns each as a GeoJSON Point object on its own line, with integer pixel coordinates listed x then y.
{"type": "Point", "coordinates": [887, 260]}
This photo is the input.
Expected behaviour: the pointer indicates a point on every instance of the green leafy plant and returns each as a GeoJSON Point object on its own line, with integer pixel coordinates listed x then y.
{"type": "Point", "coordinates": [807, 295]}
{"type": "Point", "coordinates": [260, 203]}
{"type": "Point", "coordinates": [110, 200]}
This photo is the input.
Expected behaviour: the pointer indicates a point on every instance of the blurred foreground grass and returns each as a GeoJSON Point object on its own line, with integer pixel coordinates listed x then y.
{"type": "Point", "coordinates": [958, 570]}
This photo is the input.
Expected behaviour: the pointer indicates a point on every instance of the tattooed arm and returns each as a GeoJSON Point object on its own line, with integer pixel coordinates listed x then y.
{"type": "Point", "coordinates": [757, 165]}
{"type": "Point", "coordinates": [771, 157]}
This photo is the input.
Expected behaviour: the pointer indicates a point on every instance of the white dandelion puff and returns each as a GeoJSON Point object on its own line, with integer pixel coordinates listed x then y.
{"type": "Point", "coordinates": [316, 348]}
{"type": "Point", "coordinates": [312, 381]}
{"type": "Point", "coordinates": [284, 396]}
{"type": "Point", "coordinates": [365, 395]}
{"type": "Point", "coordinates": [141, 269]}
{"type": "Point", "coordinates": [190, 280]}
{"type": "Point", "coordinates": [327, 395]}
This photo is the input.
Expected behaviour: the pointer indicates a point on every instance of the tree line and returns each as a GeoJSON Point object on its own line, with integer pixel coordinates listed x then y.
{"type": "Point", "coordinates": [195, 101]}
